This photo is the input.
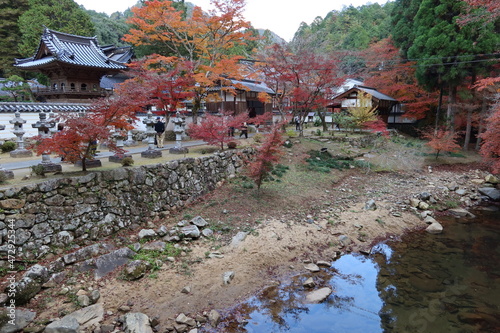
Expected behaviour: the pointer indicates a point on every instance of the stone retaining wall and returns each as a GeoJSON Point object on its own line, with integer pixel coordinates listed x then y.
{"type": "Point", "coordinates": [58, 212]}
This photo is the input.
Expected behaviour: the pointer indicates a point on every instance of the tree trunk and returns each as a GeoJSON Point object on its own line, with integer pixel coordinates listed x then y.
{"type": "Point", "coordinates": [322, 117]}
{"type": "Point", "coordinates": [480, 130]}
{"type": "Point", "coordinates": [440, 104]}
{"type": "Point", "coordinates": [468, 129]}
{"type": "Point", "coordinates": [450, 113]}
{"type": "Point", "coordinates": [196, 108]}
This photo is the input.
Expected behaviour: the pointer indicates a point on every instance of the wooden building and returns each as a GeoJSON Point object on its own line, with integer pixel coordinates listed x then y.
{"type": "Point", "coordinates": [74, 66]}
{"type": "Point", "coordinates": [351, 98]}
{"type": "Point", "coordinates": [241, 96]}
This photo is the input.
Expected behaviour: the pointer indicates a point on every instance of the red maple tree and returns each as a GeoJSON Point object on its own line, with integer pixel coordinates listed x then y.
{"type": "Point", "coordinates": [159, 81]}
{"type": "Point", "coordinates": [215, 129]}
{"type": "Point", "coordinates": [441, 140]}
{"type": "Point", "coordinates": [302, 78]}
{"type": "Point", "coordinates": [76, 142]}
{"type": "Point", "coordinates": [490, 149]}
{"type": "Point", "coordinates": [377, 126]}
{"type": "Point", "coordinates": [267, 156]}
{"type": "Point", "coordinates": [388, 73]}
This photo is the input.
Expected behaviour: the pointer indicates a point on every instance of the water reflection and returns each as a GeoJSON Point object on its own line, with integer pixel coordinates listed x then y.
{"type": "Point", "coordinates": [426, 283]}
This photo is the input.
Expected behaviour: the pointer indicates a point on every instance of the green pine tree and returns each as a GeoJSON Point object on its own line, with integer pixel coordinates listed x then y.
{"type": "Point", "coordinates": [60, 15]}
{"type": "Point", "coordinates": [10, 10]}
{"type": "Point", "coordinates": [446, 52]}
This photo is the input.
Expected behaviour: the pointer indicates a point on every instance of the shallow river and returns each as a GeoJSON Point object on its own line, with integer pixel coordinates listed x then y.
{"type": "Point", "coordinates": [421, 283]}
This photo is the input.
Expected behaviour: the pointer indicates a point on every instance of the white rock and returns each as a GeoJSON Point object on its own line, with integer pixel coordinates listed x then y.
{"type": "Point", "coordinates": [318, 296]}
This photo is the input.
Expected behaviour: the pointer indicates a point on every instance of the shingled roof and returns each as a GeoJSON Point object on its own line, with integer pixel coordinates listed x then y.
{"type": "Point", "coordinates": [43, 107]}
{"type": "Point", "coordinates": [75, 50]}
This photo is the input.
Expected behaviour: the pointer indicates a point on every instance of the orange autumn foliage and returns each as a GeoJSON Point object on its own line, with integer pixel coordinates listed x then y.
{"type": "Point", "coordinates": [204, 39]}
{"type": "Point", "coordinates": [441, 140]}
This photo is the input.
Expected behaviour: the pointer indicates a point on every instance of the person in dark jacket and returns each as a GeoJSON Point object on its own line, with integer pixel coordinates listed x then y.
{"type": "Point", "coordinates": [244, 130]}
{"type": "Point", "coordinates": [159, 129]}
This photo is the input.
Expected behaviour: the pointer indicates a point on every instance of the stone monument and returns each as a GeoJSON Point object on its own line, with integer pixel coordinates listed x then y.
{"type": "Point", "coordinates": [8, 173]}
{"type": "Point", "coordinates": [150, 132]}
{"type": "Point", "coordinates": [119, 137]}
{"type": "Point", "coordinates": [18, 131]}
{"type": "Point", "coordinates": [44, 128]}
{"type": "Point", "coordinates": [179, 124]}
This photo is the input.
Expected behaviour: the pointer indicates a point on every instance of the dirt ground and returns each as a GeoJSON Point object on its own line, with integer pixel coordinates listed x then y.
{"type": "Point", "coordinates": [289, 223]}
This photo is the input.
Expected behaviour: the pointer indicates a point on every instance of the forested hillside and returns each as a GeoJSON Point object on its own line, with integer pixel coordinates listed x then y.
{"type": "Point", "coordinates": [352, 28]}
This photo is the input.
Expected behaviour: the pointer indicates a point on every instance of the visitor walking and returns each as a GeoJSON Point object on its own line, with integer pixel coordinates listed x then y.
{"type": "Point", "coordinates": [244, 130]}
{"type": "Point", "coordinates": [159, 129]}
{"type": "Point", "coordinates": [297, 123]}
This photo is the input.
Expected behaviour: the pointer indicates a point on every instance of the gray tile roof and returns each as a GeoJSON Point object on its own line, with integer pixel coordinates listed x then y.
{"type": "Point", "coordinates": [73, 50]}
{"type": "Point", "coordinates": [252, 86]}
{"type": "Point", "coordinates": [375, 93]}
{"type": "Point", "coordinates": [8, 107]}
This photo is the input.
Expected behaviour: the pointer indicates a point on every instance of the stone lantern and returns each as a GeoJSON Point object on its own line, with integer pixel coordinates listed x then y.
{"type": "Point", "coordinates": [18, 131]}
{"type": "Point", "coordinates": [130, 138]}
{"type": "Point", "coordinates": [8, 173]}
{"type": "Point", "coordinates": [119, 137]}
{"type": "Point", "coordinates": [44, 127]}
{"type": "Point", "coordinates": [150, 132]}
{"type": "Point", "coordinates": [179, 125]}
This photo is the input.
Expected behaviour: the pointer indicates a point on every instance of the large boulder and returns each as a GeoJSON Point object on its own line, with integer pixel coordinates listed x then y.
{"type": "Point", "coordinates": [79, 321]}
{"type": "Point", "coordinates": [65, 325]}
{"type": "Point", "coordinates": [490, 192]}
{"type": "Point", "coordinates": [26, 289]}
{"type": "Point", "coordinates": [15, 320]}
{"type": "Point", "coordinates": [135, 269]}
{"type": "Point", "coordinates": [136, 322]}
{"type": "Point", "coordinates": [434, 228]}
{"type": "Point", "coordinates": [190, 231]}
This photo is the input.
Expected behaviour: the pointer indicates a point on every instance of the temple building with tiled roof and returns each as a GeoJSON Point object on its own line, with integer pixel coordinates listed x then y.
{"type": "Point", "coordinates": [74, 66]}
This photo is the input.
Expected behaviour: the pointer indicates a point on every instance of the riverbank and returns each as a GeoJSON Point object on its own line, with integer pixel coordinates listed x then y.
{"type": "Point", "coordinates": [307, 217]}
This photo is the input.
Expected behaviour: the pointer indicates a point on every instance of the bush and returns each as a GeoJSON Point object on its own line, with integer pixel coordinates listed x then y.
{"type": "Point", "coordinates": [231, 145]}
{"type": "Point", "coordinates": [257, 137]}
{"type": "Point", "coordinates": [38, 170]}
{"type": "Point", "coordinates": [8, 146]}
{"type": "Point", "coordinates": [3, 177]}
{"type": "Point", "coordinates": [127, 161]}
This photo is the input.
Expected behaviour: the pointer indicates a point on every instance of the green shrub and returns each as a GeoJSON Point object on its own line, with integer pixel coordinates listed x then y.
{"type": "Point", "coordinates": [38, 170]}
{"type": "Point", "coordinates": [291, 133]}
{"type": "Point", "coordinates": [3, 177]}
{"type": "Point", "coordinates": [257, 137]}
{"type": "Point", "coordinates": [8, 146]}
{"type": "Point", "coordinates": [127, 161]}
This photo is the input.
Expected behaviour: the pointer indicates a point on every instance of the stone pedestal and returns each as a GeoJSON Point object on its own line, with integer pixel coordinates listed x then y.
{"type": "Point", "coordinates": [151, 153]}
{"type": "Point", "coordinates": [21, 153]}
{"type": "Point", "coordinates": [50, 167]}
{"type": "Point", "coordinates": [90, 164]}
{"type": "Point", "coordinates": [178, 150]}
{"type": "Point", "coordinates": [118, 158]}
{"type": "Point", "coordinates": [7, 173]}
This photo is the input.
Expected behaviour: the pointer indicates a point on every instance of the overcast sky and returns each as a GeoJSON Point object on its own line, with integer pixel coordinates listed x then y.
{"type": "Point", "coordinates": [280, 16]}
